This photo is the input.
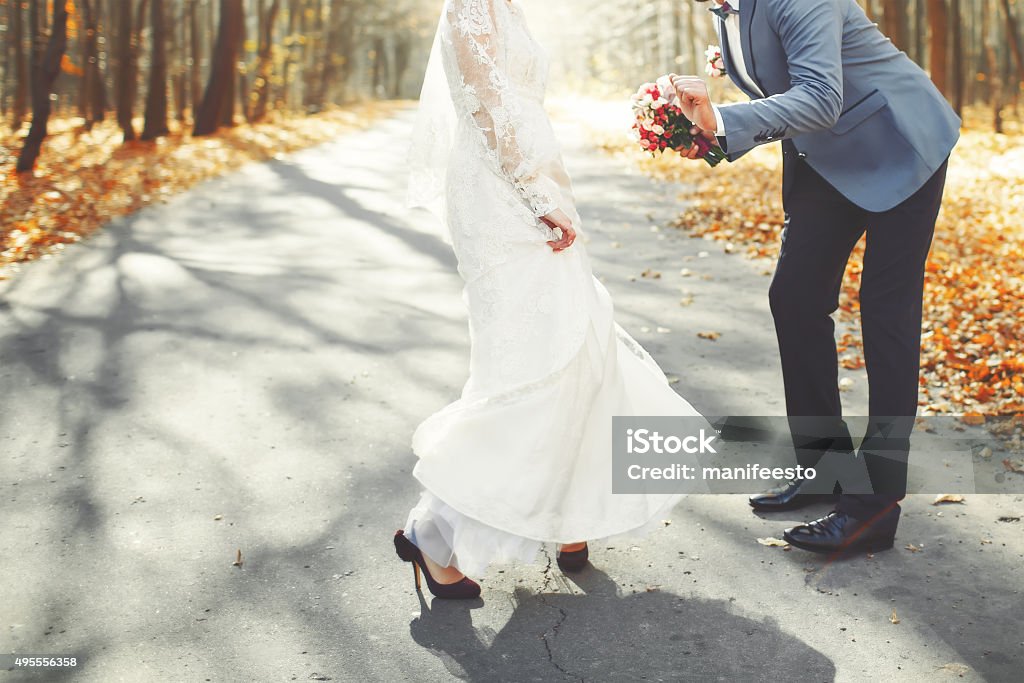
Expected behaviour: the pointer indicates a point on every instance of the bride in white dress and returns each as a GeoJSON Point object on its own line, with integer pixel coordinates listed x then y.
{"type": "Point", "coordinates": [523, 458]}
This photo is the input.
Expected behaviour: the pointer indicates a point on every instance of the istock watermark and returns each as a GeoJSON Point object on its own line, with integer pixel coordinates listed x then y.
{"type": "Point", "coordinates": [860, 455]}
{"type": "Point", "coordinates": [648, 441]}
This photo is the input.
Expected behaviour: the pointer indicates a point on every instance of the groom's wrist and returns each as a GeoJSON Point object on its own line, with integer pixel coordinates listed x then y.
{"type": "Point", "coordinates": [720, 130]}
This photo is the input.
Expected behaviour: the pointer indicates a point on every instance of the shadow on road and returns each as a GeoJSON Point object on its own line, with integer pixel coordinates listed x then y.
{"type": "Point", "coordinates": [602, 634]}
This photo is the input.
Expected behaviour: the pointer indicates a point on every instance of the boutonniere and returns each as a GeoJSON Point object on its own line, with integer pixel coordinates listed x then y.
{"type": "Point", "coordinates": [715, 66]}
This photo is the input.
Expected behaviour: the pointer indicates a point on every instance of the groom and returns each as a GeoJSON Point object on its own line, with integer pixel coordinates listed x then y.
{"type": "Point", "coordinates": [866, 138]}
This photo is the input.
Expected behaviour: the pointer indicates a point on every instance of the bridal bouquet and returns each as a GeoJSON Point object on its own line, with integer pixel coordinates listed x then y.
{"type": "Point", "coordinates": [660, 125]}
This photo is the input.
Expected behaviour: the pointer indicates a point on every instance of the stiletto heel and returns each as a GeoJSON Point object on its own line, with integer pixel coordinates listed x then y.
{"type": "Point", "coordinates": [465, 589]}
{"type": "Point", "coordinates": [574, 560]}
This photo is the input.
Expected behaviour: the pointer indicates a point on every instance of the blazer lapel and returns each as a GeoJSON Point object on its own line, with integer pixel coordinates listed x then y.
{"type": "Point", "coordinates": [730, 66]}
{"type": "Point", "coordinates": [723, 41]}
{"type": "Point", "coordinates": [747, 11]}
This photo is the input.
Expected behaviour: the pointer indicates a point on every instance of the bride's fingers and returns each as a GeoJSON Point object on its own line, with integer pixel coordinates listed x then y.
{"type": "Point", "coordinates": [568, 237]}
{"type": "Point", "coordinates": [558, 245]}
{"type": "Point", "coordinates": [565, 241]}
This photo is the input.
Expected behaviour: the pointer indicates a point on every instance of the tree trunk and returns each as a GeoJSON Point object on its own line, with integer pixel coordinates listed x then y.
{"type": "Point", "coordinates": [895, 13]}
{"type": "Point", "coordinates": [957, 64]}
{"type": "Point", "coordinates": [240, 87]}
{"type": "Point", "coordinates": [94, 89]}
{"type": "Point", "coordinates": [45, 71]}
{"type": "Point", "coordinates": [869, 9]}
{"type": "Point", "coordinates": [348, 48]}
{"type": "Point", "coordinates": [920, 31]}
{"type": "Point", "coordinates": [989, 29]}
{"type": "Point", "coordinates": [219, 96]}
{"type": "Point", "coordinates": [179, 52]}
{"type": "Point", "coordinates": [332, 54]}
{"type": "Point", "coordinates": [284, 97]}
{"type": "Point", "coordinates": [140, 26]}
{"type": "Point", "coordinates": [85, 39]}
{"type": "Point", "coordinates": [311, 53]}
{"type": "Point", "coordinates": [379, 69]}
{"type": "Point", "coordinates": [403, 53]}
{"type": "Point", "coordinates": [1013, 38]}
{"type": "Point", "coordinates": [156, 99]}
{"type": "Point", "coordinates": [20, 104]}
{"type": "Point", "coordinates": [938, 54]}
{"type": "Point", "coordinates": [123, 71]}
{"type": "Point", "coordinates": [694, 57]}
{"type": "Point", "coordinates": [265, 64]}
{"type": "Point", "coordinates": [195, 45]}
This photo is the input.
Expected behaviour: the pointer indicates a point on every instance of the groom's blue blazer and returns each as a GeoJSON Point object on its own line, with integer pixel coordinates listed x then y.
{"type": "Point", "coordinates": [859, 111]}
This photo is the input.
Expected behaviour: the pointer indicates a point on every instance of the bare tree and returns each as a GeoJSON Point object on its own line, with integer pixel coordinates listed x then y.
{"type": "Point", "coordinates": [292, 43]}
{"type": "Point", "coordinates": [156, 99]}
{"type": "Point", "coordinates": [45, 70]}
{"type": "Point", "coordinates": [1013, 39]}
{"type": "Point", "coordinates": [989, 29]}
{"type": "Point", "coordinates": [21, 76]}
{"type": "Point", "coordinates": [265, 65]}
{"type": "Point", "coordinates": [218, 99]}
{"type": "Point", "coordinates": [128, 40]}
{"type": "Point", "coordinates": [332, 56]}
{"type": "Point", "coordinates": [895, 12]}
{"type": "Point", "coordinates": [195, 55]}
{"type": "Point", "coordinates": [938, 54]}
{"type": "Point", "coordinates": [959, 86]}
{"type": "Point", "coordinates": [94, 89]}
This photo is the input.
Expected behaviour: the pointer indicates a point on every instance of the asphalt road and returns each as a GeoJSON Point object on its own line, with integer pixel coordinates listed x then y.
{"type": "Point", "coordinates": [240, 370]}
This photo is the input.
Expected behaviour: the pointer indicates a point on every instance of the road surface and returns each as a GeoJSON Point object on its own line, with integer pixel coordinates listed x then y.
{"type": "Point", "coordinates": [240, 370]}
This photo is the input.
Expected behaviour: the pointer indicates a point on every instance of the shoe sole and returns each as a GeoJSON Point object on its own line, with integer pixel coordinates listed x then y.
{"type": "Point", "coordinates": [791, 506]}
{"type": "Point", "coordinates": [573, 568]}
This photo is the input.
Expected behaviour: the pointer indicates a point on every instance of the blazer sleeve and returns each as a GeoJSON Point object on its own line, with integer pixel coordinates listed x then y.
{"type": "Point", "coordinates": [811, 32]}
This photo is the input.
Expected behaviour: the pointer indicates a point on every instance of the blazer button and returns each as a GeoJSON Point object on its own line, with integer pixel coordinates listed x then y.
{"type": "Point", "coordinates": [802, 155]}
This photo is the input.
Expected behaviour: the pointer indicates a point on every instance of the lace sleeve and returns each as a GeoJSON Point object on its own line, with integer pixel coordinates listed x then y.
{"type": "Point", "coordinates": [481, 90]}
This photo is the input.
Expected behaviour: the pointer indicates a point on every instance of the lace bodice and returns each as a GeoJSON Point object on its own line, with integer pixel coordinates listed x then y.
{"type": "Point", "coordinates": [496, 74]}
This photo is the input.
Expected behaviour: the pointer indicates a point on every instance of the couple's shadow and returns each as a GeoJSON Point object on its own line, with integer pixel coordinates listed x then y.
{"type": "Point", "coordinates": [606, 635]}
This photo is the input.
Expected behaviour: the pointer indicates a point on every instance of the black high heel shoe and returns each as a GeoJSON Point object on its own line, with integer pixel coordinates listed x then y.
{"type": "Point", "coordinates": [466, 589]}
{"type": "Point", "coordinates": [573, 561]}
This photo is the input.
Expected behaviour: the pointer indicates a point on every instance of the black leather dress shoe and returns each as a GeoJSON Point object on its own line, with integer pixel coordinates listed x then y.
{"type": "Point", "coordinates": [788, 497]}
{"type": "Point", "coordinates": [838, 532]}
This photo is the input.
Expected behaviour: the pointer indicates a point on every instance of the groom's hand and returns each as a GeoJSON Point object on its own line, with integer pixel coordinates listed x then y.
{"type": "Point", "coordinates": [695, 101]}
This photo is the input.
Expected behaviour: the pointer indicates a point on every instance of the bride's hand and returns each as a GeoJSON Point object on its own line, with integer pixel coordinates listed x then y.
{"type": "Point", "coordinates": [695, 152]}
{"type": "Point", "coordinates": [558, 220]}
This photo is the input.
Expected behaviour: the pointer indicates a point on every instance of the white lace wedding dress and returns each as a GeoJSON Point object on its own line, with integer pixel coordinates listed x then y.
{"type": "Point", "coordinates": [523, 458]}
